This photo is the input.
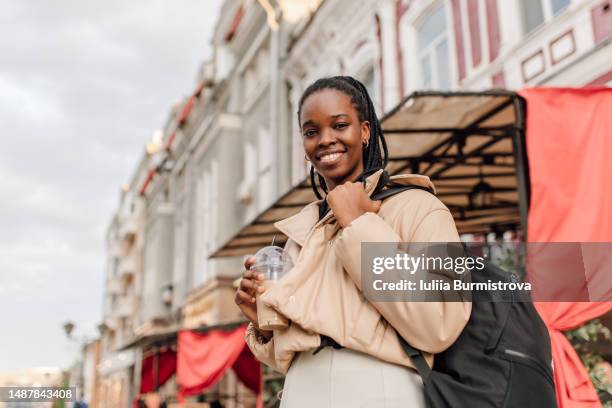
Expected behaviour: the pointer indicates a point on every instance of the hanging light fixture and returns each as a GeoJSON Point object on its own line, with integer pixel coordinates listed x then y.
{"type": "Point", "coordinates": [482, 194]}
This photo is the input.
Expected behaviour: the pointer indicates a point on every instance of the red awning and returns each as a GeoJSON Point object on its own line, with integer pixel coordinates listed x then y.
{"type": "Point", "coordinates": [149, 178]}
{"type": "Point", "coordinates": [199, 89]}
{"type": "Point", "coordinates": [234, 24]}
{"type": "Point", "coordinates": [568, 144]}
{"type": "Point", "coordinates": [171, 140]}
{"type": "Point", "coordinates": [184, 115]}
{"type": "Point", "coordinates": [157, 368]}
{"type": "Point", "coordinates": [204, 358]}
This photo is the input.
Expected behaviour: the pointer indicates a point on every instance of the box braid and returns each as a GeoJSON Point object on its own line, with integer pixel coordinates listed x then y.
{"type": "Point", "coordinates": [374, 158]}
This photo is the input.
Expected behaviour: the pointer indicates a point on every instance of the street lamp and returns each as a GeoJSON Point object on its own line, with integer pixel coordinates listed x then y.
{"type": "Point", "coordinates": [102, 328]}
{"type": "Point", "coordinates": [68, 328]}
{"type": "Point", "coordinates": [81, 342]}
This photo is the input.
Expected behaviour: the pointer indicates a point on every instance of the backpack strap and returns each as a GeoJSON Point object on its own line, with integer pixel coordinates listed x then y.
{"type": "Point", "coordinates": [327, 341]}
{"type": "Point", "coordinates": [396, 189]}
{"type": "Point", "coordinates": [417, 358]}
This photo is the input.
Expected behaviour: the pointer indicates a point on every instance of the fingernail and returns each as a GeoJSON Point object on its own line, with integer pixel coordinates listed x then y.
{"type": "Point", "coordinates": [253, 300]}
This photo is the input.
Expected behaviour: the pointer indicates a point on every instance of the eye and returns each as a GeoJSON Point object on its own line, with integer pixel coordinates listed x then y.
{"type": "Point", "coordinates": [309, 132]}
{"type": "Point", "coordinates": [341, 125]}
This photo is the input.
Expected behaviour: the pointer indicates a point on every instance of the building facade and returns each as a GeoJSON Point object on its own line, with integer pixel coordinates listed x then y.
{"type": "Point", "coordinates": [116, 367]}
{"type": "Point", "coordinates": [233, 146]}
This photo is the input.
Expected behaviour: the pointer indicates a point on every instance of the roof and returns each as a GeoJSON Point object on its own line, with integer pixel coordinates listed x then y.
{"type": "Point", "coordinates": [471, 145]}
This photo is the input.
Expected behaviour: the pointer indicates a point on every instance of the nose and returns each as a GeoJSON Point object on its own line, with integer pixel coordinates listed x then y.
{"type": "Point", "coordinates": [327, 138]}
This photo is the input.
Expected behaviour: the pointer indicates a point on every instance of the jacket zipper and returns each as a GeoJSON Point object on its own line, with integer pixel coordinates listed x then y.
{"type": "Point", "coordinates": [532, 362]}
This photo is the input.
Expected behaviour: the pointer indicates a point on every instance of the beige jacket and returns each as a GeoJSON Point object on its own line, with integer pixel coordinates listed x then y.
{"type": "Point", "coordinates": [321, 294]}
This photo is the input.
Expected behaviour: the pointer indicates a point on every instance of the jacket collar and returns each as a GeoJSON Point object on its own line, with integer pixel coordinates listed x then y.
{"type": "Point", "coordinates": [299, 225]}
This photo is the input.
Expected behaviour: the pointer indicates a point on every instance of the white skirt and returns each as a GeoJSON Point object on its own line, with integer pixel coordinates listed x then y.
{"type": "Point", "coordinates": [345, 378]}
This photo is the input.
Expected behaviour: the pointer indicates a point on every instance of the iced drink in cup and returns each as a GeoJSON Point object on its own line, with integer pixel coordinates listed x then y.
{"type": "Point", "coordinates": [273, 263]}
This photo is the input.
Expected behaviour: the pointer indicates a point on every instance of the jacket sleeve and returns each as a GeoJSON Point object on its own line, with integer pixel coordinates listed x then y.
{"type": "Point", "coordinates": [429, 326]}
{"type": "Point", "coordinates": [262, 349]}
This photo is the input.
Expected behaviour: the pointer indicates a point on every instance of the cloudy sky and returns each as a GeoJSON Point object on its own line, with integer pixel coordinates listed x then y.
{"type": "Point", "coordinates": [82, 86]}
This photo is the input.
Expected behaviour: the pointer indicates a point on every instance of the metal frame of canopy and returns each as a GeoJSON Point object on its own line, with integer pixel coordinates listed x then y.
{"type": "Point", "coordinates": [471, 145]}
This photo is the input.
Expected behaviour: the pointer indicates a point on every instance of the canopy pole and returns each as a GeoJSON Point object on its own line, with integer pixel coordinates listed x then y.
{"type": "Point", "coordinates": [519, 146]}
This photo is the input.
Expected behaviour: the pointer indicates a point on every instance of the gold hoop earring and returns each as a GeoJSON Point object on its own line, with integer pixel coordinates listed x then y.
{"type": "Point", "coordinates": [366, 144]}
{"type": "Point", "coordinates": [306, 157]}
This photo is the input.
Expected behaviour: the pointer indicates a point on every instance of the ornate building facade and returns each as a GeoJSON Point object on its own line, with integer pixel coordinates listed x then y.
{"type": "Point", "coordinates": [233, 146]}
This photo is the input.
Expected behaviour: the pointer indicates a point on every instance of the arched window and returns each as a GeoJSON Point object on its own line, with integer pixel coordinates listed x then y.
{"type": "Point", "coordinates": [433, 53]}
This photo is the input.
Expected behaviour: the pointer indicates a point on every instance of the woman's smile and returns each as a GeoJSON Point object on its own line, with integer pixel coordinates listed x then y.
{"type": "Point", "coordinates": [329, 159]}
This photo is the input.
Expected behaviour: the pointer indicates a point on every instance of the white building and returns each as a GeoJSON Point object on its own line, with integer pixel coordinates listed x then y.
{"type": "Point", "coordinates": [123, 295]}
{"type": "Point", "coordinates": [233, 147]}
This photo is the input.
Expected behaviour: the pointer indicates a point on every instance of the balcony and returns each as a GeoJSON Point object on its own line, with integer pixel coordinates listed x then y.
{"type": "Point", "coordinates": [114, 286]}
{"type": "Point", "coordinates": [124, 307]}
{"type": "Point", "coordinates": [127, 266]}
{"type": "Point", "coordinates": [127, 227]}
{"type": "Point", "coordinates": [111, 322]}
{"type": "Point", "coordinates": [114, 249]}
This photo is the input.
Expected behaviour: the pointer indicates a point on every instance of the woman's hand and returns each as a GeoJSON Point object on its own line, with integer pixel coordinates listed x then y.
{"type": "Point", "coordinates": [349, 201]}
{"type": "Point", "coordinates": [250, 286]}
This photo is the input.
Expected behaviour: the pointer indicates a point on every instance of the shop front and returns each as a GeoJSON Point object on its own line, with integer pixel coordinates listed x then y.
{"type": "Point", "coordinates": [214, 366]}
{"type": "Point", "coordinates": [116, 373]}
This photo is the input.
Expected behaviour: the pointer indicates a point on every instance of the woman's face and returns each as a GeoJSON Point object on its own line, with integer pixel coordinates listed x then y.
{"type": "Point", "coordinates": [333, 136]}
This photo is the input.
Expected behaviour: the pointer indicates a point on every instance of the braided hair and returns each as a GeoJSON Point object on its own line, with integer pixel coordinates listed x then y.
{"type": "Point", "coordinates": [374, 158]}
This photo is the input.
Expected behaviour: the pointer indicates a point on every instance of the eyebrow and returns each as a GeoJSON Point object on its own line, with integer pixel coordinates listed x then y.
{"type": "Point", "coordinates": [310, 122]}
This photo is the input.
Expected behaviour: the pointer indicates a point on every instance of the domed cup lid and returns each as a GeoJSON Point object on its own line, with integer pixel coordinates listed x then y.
{"type": "Point", "coordinates": [272, 260]}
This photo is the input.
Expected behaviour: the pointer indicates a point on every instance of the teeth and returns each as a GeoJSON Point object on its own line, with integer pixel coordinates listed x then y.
{"type": "Point", "coordinates": [330, 157]}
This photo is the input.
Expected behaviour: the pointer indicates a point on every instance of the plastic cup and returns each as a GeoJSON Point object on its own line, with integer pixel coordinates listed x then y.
{"type": "Point", "coordinates": [273, 263]}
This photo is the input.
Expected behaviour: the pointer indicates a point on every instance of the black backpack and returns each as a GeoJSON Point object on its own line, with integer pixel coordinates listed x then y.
{"type": "Point", "coordinates": [502, 358]}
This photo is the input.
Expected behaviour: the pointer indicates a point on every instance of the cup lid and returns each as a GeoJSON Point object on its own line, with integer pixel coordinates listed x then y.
{"type": "Point", "coordinates": [272, 255]}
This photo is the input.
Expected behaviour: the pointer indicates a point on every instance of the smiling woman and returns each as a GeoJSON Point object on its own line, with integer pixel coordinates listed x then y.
{"type": "Point", "coordinates": [334, 136]}
{"type": "Point", "coordinates": [338, 121]}
{"type": "Point", "coordinates": [336, 116]}
{"type": "Point", "coordinates": [365, 365]}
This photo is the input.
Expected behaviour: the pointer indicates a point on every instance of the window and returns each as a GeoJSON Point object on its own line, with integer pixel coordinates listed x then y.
{"type": "Point", "coordinates": [535, 12]}
{"type": "Point", "coordinates": [368, 81]}
{"type": "Point", "coordinates": [248, 186]}
{"type": "Point", "coordinates": [250, 163]}
{"type": "Point", "coordinates": [265, 168]}
{"type": "Point", "coordinates": [432, 37]}
{"type": "Point", "coordinates": [206, 223]}
{"type": "Point", "coordinates": [250, 81]}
